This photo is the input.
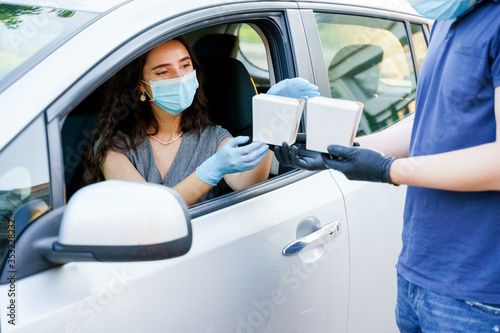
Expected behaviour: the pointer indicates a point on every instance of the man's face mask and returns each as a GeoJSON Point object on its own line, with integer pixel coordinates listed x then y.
{"type": "Point", "coordinates": [441, 9]}
{"type": "Point", "coordinates": [174, 95]}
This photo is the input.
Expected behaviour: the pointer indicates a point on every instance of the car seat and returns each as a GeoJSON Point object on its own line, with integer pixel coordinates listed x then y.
{"type": "Point", "coordinates": [75, 135]}
{"type": "Point", "coordinates": [229, 90]}
{"type": "Point", "coordinates": [221, 45]}
{"type": "Point", "coordinates": [228, 85]}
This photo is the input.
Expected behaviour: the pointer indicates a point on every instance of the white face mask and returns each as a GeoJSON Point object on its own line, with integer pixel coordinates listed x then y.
{"type": "Point", "coordinates": [174, 95]}
{"type": "Point", "coordinates": [441, 9]}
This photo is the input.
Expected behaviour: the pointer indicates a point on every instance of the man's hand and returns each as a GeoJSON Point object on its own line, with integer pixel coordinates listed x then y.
{"type": "Point", "coordinates": [359, 163]}
{"type": "Point", "coordinates": [299, 158]}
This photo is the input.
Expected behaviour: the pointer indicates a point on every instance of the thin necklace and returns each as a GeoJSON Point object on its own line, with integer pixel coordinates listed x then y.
{"type": "Point", "coordinates": [168, 142]}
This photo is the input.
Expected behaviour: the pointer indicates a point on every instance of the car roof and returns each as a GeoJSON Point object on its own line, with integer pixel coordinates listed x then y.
{"type": "Point", "coordinates": [101, 6]}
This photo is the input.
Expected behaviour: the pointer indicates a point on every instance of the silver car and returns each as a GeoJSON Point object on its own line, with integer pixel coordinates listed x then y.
{"type": "Point", "coordinates": [300, 252]}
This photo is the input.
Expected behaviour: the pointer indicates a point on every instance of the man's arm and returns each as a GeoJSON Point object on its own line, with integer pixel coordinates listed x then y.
{"type": "Point", "coordinates": [394, 141]}
{"type": "Point", "coordinates": [472, 169]}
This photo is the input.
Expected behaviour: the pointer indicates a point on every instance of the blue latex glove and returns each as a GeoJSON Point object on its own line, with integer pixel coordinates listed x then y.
{"type": "Point", "coordinates": [231, 159]}
{"type": "Point", "coordinates": [294, 88]}
{"type": "Point", "coordinates": [299, 158]}
{"type": "Point", "coordinates": [359, 163]}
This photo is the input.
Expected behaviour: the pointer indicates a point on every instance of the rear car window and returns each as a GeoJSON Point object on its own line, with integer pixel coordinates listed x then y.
{"type": "Point", "coordinates": [29, 33]}
{"type": "Point", "coordinates": [369, 60]}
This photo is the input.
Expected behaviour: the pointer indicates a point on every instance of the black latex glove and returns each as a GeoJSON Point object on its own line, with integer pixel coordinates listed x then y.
{"type": "Point", "coordinates": [299, 158]}
{"type": "Point", "coordinates": [359, 163]}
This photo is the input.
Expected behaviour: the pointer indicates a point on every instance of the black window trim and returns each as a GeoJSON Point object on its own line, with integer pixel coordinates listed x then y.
{"type": "Point", "coordinates": [409, 37]}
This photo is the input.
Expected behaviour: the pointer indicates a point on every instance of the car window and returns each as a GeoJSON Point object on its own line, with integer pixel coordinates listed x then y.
{"type": "Point", "coordinates": [369, 61]}
{"type": "Point", "coordinates": [252, 47]}
{"type": "Point", "coordinates": [24, 181]}
{"type": "Point", "coordinates": [31, 32]}
{"type": "Point", "coordinates": [253, 54]}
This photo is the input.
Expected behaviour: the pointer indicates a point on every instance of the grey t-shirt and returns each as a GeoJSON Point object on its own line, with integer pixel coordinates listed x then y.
{"type": "Point", "coordinates": [195, 148]}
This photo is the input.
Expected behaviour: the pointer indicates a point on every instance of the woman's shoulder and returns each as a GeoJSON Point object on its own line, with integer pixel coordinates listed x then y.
{"type": "Point", "coordinates": [122, 143]}
{"type": "Point", "coordinates": [214, 131]}
{"type": "Point", "coordinates": [211, 135]}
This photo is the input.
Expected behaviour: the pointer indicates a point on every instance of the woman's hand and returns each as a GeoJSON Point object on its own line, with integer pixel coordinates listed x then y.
{"type": "Point", "coordinates": [232, 159]}
{"type": "Point", "coordinates": [294, 88]}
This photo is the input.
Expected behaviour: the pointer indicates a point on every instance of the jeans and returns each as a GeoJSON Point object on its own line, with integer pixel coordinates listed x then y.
{"type": "Point", "coordinates": [421, 310]}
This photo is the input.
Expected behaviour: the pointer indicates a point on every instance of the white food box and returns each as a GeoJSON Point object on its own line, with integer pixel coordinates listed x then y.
{"type": "Point", "coordinates": [331, 121]}
{"type": "Point", "coordinates": [276, 119]}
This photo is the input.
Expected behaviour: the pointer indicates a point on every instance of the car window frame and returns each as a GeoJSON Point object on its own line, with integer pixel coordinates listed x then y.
{"type": "Point", "coordinates": [274, 13]}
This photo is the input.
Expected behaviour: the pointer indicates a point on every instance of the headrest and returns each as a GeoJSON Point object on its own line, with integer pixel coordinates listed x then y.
{"type": "Point", "coordinates": [362, 61]}
{"type": "Point", "coordinates": [216, 45]}
{"type": "Point", "coordinates": [354, 59]}
{"type": "Point", "coordinates": [229, 90]}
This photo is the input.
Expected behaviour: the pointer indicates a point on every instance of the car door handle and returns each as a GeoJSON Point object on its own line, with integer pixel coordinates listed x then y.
{"type": "Point", "coordinates": [321, 236]}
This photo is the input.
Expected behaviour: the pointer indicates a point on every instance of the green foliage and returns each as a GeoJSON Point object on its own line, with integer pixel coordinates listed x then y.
{"type": "Point", "coordinates": [248, 35]}
{"type": "Point", "coordinates": [10, 15]}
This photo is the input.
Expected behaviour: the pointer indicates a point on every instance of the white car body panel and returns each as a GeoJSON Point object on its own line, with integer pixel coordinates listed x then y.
{"type": "Point", "coordinates": [375, 214]}
{"type": "Point", "coordinates": [281, 293]}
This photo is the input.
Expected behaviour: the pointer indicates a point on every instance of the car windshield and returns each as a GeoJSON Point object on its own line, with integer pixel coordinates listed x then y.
{"type": "Point", "coordinates": [30, 33]}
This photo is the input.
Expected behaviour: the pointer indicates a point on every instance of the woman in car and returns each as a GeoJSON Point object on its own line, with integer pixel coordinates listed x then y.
{"type": "Point", "coordinates": [154, 127]}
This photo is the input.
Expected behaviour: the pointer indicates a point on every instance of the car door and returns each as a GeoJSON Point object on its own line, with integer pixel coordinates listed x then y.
{"type": "Point", "coordinates": [235, 277]}
{"type": "Point", "coordinates": [373, 57]}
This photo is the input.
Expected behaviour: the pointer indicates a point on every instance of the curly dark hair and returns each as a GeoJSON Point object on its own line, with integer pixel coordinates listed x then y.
{"type": "Point", "coordinates": [124, 121]}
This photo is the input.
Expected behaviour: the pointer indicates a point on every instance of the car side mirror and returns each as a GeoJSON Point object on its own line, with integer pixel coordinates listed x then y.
{"type": "Point", "coordinates": [123, 221]}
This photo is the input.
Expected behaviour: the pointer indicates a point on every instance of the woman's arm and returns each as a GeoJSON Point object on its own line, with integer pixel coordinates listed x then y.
{"type": "Point", "coordinates": [260, 173]}
{"type": "Point", "coordinates": [192, 189]}
{"type": "Point", "coordinates": [118, 166]}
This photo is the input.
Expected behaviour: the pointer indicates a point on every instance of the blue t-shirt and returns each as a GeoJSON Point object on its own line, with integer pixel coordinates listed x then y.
{"type": "Point", "coordinates": [451, 240]}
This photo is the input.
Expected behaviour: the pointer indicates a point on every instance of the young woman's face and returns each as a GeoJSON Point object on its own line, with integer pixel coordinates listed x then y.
{"type": "Point", "coordinates": [169, 60]}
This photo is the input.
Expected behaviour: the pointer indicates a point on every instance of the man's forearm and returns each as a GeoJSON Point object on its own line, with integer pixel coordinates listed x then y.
{"type": "Point", "coordinates": [471, 169]}
{"type": "Point", "coordinates": [394, 141]}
